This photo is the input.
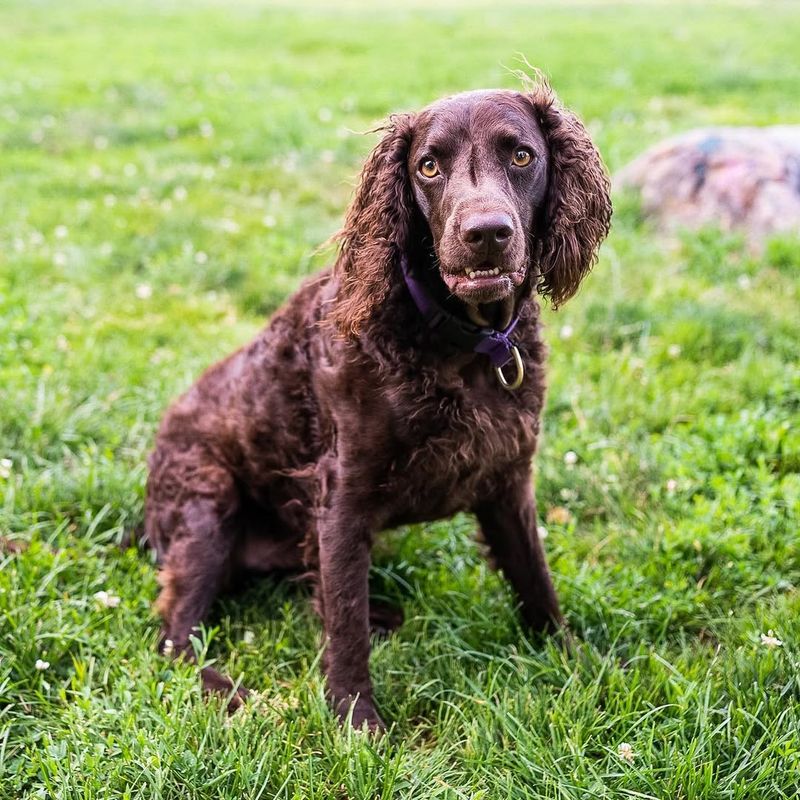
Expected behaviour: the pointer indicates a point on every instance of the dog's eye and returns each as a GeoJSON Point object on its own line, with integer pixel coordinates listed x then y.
{"type": "Point", "coordinates": [522, 157]}
{"type": "Point", "coordinates": [429, 168]}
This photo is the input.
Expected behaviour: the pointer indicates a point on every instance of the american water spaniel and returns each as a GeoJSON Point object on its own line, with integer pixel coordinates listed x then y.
{"type": "Point", "coordinates": [402, 385]}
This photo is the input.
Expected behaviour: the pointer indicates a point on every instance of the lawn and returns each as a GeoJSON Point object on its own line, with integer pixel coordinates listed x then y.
{"type": "Point", "coordinates": [168, 172]}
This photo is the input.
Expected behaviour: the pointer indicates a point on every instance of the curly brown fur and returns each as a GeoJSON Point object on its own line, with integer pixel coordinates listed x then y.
{"type": "Point", "coordinates": [347, 415]}
{"type": "Point", "coordinates": [578, 205]}
{"type": "Point", "coordinates": [376, 227]}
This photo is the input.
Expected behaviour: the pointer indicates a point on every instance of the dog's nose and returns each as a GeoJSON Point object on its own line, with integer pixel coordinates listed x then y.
{"type": "Point", "coordinates": [487, 232]}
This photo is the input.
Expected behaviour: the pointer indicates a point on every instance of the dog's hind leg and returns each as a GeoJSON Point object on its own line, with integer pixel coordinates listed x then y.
{"type": "Point", "coordinates": [384, 618]}
{"type": "Point", "coordinates": [200, 508]}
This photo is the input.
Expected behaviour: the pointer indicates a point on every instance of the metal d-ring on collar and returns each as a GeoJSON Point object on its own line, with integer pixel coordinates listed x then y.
{"type": "Point", "coordinates": [466, 336]}
{"type": "Point", "coordinates": [517, 382]}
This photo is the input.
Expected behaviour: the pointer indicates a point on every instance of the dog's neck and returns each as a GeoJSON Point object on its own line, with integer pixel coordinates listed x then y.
{"type": "Point", "coordinates": [462, 335]}
{"type": "Point", "coordinates": [497, 315]}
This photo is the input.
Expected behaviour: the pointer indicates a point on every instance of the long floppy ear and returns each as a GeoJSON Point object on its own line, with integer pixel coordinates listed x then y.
{"type": "Point", "coordinates": [577, 213]}
{"type": "Point", "coordinates": [376, 229]}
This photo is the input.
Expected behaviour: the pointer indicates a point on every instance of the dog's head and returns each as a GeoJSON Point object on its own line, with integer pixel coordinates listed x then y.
{"type": "Point", "coordinates": [504, 188]}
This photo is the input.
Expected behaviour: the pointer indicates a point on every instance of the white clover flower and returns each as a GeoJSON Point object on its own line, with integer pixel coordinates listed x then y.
{"type": "Point", "coordinates": [289, 161]}
{"type": "Point", "coordinates": [570, 458]}
{"type": "Point", "coordinates": [37, 136]}
{"type": "Point", "coordinates": [566, 332]}
{"type": "Point", "coordinates": [5, 467]}
{"type": "Point", "coordinates": [248, 637]}
{"type": "Point", "coordinates": [674, 350]}
{"type": "Point", "coordinates": [109, 201]}
{"type": "Point", "coordinates": [42, 665]}
{"type": "Point", "coordinates": [59, 259]}
{"type": "Point", "coordinates": [100, 143]}
{"type": "Point", "coordinates": [144, 291]}
{"type": "Point", "coordinates": [625, 752]}
{"type": "Point", "coordinates": [180, 193]}
{"type": "Point", "coordinates": [200, 257]}
{"type": "Point", "coordinates": [95, 172]}
{"type": "Point", "coordinates": [268, 221]}
{"type": "Point", "coordinates": [769, 639]}
{"type": "Point", "coordinates": [744, 282]}
{"type": "Point", "coordinates": [103, 598]}
{"type": "Point", "coordinates": [129, 170]}
{"type": "Point", "coordinates": [541, 531]}
{"type": "Point", "coordinates": [325, 115]}
{"type": "Point", "coordinates": [672, 485]}
{"type": "Point", "coordinates": [206, 129]}
{"type": "Point", "coordinates": [225, 162]}
{"type": "Point", "coordinates": [229, 225]}
{"type": "Point", "coordinates": [61, 231]}
{"type": "Point", "coordinates": [160, 356]}
{"type": "Point", "coordinates": [636, 363]}
{"type": "Point", "coordinates": [169, 648]}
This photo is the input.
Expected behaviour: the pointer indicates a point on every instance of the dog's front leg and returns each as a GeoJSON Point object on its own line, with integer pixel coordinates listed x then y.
{"type": "Point", "coordinates": [344, 559]}
{"type": "Point", "coordinates": [508, 525]}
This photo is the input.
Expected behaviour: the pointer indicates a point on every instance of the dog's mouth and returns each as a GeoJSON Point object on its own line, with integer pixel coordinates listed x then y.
{"type": "Point", "coordinates": [487, 293]}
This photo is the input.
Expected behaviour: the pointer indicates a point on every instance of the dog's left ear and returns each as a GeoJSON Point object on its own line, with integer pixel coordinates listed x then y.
{"type": "Point", "coordinates": [577, 213]}
{"type": "Point", "coordinates": [376, 229]}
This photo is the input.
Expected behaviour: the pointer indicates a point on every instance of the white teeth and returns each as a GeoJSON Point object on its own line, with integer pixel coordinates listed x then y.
{"type": "Point", "coordinates": [480, 273]}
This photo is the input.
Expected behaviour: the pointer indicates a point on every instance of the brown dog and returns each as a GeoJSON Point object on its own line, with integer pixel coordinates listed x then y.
{"type": "Point", "coordinates": [404, 385]}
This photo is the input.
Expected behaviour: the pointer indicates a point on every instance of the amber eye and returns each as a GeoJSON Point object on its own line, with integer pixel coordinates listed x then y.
{"type": "Point", "coordinates": [428, 168]}
{"type": "Point", "coordinates": [522, 157]}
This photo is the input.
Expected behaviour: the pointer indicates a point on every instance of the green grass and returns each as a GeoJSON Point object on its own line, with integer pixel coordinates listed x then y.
{"type": "Point", "coordinates": [196, 156]}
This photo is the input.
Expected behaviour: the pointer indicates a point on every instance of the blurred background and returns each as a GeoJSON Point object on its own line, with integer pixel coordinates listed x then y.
{"type": "Point", "coordinates": [168, 171]}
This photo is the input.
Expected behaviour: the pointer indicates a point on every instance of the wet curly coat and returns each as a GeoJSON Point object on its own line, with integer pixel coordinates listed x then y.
{"type": "Point", "coordinates": [347, 415]}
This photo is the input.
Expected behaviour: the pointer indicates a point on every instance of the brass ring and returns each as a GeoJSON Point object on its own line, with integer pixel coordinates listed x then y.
{"type": "Point", "coordinates": [517, 382]}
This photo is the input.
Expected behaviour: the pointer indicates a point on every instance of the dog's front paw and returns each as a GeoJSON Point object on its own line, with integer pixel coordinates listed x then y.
{"type": "Point", "coordinates": [364, 714]}
{"type": "Point", "coordinates": [217, 683]}
{"type": "Point", "coordinates": [542, 620]}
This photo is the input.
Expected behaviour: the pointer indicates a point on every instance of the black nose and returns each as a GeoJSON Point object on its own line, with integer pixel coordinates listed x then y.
{"type": "Point", "coordinates": [487, 232]}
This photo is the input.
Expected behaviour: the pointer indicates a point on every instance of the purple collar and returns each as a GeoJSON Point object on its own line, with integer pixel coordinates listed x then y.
{"type": "Point", "coordinates": [459, 332]}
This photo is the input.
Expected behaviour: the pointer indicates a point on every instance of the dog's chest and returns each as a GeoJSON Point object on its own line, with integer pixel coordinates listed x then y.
{"type": "Point", "coordinates": [453, 451]}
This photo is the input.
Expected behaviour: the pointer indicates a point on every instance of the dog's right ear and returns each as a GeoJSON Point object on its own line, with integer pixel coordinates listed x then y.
{"type": "Point", "coordinates": [376, 230]}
